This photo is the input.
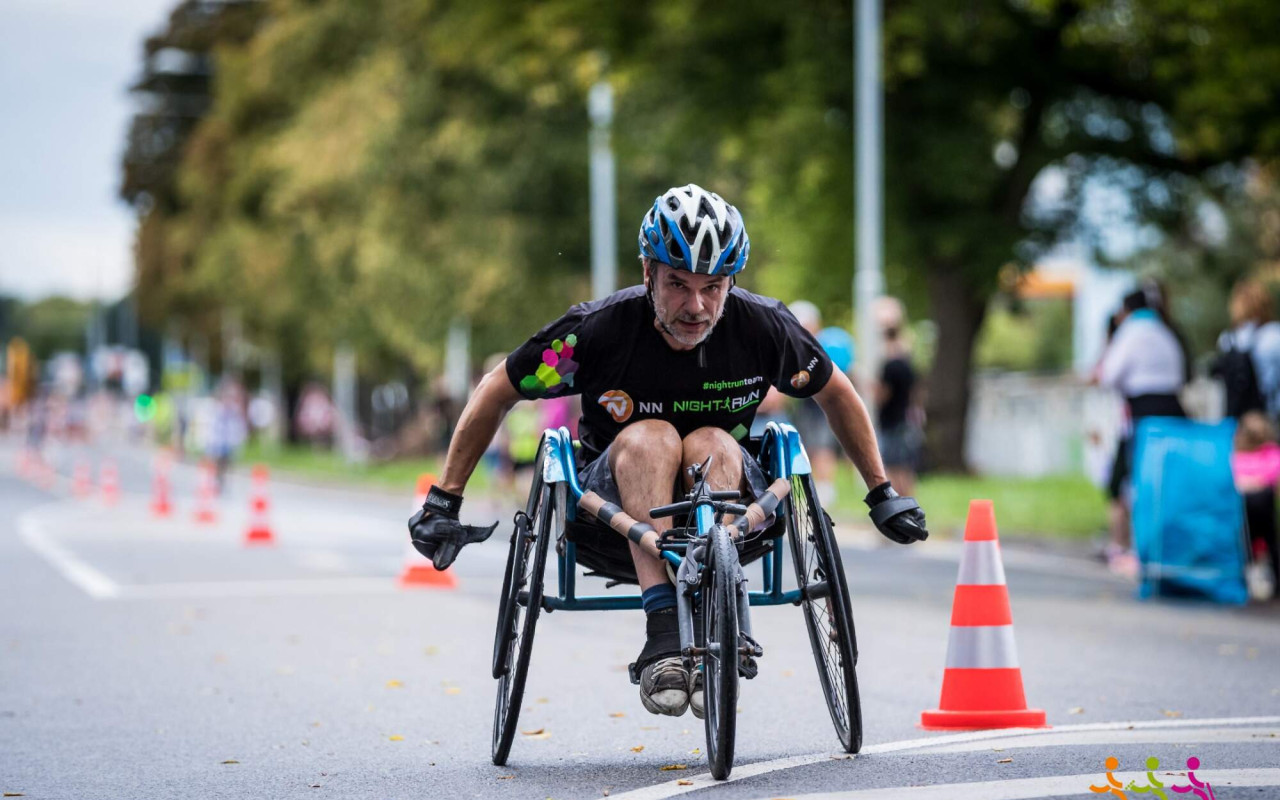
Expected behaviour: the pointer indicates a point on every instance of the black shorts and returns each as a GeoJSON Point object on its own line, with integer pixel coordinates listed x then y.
{"type": "Point", "coordinates": [603, 550]}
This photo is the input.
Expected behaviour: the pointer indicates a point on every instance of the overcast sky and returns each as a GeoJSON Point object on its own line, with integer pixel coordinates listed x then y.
{"type": "Point", "coordinates": [65, 66]}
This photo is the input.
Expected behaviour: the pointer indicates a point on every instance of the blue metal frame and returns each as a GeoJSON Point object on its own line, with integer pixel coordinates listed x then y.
{"type": "Point", "coordinates": [782, 455]}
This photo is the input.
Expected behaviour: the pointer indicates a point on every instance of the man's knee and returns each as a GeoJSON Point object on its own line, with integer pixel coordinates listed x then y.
{"type": "Point", "coordinates": [726, 468]}
{"type": "Point", "coordinates": [709, 441]}
{"type": "Point", "coordinates": [652, 442]}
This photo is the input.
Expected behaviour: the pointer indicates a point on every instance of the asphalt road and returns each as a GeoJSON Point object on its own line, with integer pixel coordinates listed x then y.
{"type": "Point", "coordinates": [144, 658]}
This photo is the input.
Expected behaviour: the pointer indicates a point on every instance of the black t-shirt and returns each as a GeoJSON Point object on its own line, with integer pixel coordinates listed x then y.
{"type": "Point", "coordinates": [609, 352]}
{"type": "Point", "coordinates": [899, 377]}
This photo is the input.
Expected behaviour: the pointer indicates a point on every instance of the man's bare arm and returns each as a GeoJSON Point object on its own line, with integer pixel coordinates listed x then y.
{"type": "Point", "coordinates": [488, 404]}
{"type": "Point", "coordinates": [851, 424]}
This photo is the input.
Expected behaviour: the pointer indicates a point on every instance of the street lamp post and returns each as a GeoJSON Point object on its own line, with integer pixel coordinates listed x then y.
{"type": "Point", "coordinates": [604, 235]}
{"type": "Point", "coordinates": [868, 281]}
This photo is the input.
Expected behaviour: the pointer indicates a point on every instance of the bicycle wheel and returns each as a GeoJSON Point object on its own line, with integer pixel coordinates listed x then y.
{"type": "Point", "coordinates": [719, 599]}
{"type": "Point", "coordinates": [517, 560]}
{"type": "Point", "coordinates": [827, 614]}
{"type": "Point", "coordinates": [518, 617]}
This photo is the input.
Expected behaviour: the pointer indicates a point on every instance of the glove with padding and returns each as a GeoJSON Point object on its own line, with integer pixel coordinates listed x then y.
{"type": "Point", "coordinates": [436, 533]}
{"type": "Point", "coordinates": [899, 518]}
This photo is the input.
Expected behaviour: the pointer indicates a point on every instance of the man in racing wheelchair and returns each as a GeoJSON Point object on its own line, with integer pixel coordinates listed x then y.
{"type": "Point", "coordinates": [671, 372]}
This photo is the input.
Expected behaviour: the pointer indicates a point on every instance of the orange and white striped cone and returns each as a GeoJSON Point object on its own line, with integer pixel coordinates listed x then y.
{"type": "Point", "coordinates": [417, 572]}
{"type": "Point", "coordinates": [82, 479]}
{"type": "Point", "coordinates": [259, 532]}
{"type": "Point", "coordinates": [982, 683]}
{"type": "Point", "coordinates": [160, 505]}
{"type": "Point", "coordinates": [109, 477]}
{"type": "Point", "coordinates": [206, 488]}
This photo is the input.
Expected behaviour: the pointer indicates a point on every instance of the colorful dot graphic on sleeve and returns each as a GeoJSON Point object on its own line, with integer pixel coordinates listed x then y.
{"type": "Point", "coordinates": [556, 370]}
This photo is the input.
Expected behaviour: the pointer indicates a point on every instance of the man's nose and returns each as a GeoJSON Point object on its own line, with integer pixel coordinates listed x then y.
{"type": "Point", "coordinates": [695, 304]}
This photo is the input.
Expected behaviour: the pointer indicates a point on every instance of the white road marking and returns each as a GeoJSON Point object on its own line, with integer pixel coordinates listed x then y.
{"type": "Point", "coordinates": [1086, 738]}
{"type": "Point", "coordinates": [1056, 786]}
{"type": "Point", "coordinates": [704, 780]}
{"type": "Point", "coordinates": [94, 583]}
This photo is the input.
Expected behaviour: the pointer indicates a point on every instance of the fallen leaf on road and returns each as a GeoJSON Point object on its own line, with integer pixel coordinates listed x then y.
{"type": "Point", "coordinates": [1005, 761]}
{"type": "Point", "coordinates": [540, 733]}
{"type": "Point", "coordinates": [617, 715]}
{"type": "Point", "coordinates": [1076, 710]}
{"type": "Point", "coordinates": [533, 733]}
{"type": "Point", "coordinates": [395, 684]}
{"type": "Point", "coordinates": [1170, 714]}
{"type": "Point", "coordinates": [670, 767]}
{"type": "Point", "coordinates": [638, 748]}
{"type": "Point", "coordinates": [505, 777]}
{"type": "Point", "coordinates": [787, 673]}
{"type": "Point", "coordinates": [431, 651]}
{"type": "Point", "coordinates": [453, 690]}
{"type": "Point", "coordinates": [230, 761]}
{"type": "Point", "coordinates": [648, 727]}
{"type": "Point", "coordinates": [396, 738]}
{"type": "Point", "coordinates": [20, 794]}
{"type": "Point", "coordinates": [314, 785]}
{"type": "Point", "coordinates": [697, 751]}
{"type": "Point", "coordinates": [683, 782]}
{"type": "Point", "coordinates": [542, 700]}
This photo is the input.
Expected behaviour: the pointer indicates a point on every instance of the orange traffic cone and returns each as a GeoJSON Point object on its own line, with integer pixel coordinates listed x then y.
{"type": "Point", "coordinates": [418, 572]}
{"type": "Point", "coordinates": [82, 479]}
{"type": "Point", "coordinates": [109, 477]}
{"type": "Point", "coordinates": [259, 530]}
{"type": "Point", "coordinates": [205, 490]}
{"type": "Point", "coordinates": [982, 683]}
{"type": "Point", "coordinates": [160, 505]}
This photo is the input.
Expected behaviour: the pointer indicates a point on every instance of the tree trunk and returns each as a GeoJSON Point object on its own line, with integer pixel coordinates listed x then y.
{"type": "Point", "coordinates": [958, 315]}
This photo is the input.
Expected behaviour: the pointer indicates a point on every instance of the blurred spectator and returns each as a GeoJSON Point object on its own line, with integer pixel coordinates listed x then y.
{"type": "Point", "coordinates": [1256, 467]}
{"type": "Point", "coordinates": [811, 422]}
{"type": "Point", "coordinates": [1146, 363]}
{"type": "Point", "coordinates": [1248, 361]}
{"type": "Point", "coordinates": [227, 431]}
{"type": "Point", "coordinates": [901, 434]}
{"type": "Point", "coordinates": [315, 415]}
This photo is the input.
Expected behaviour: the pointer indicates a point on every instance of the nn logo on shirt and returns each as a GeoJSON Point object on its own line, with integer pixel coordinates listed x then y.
{"type": "Point", "coordinates": [618, 404]}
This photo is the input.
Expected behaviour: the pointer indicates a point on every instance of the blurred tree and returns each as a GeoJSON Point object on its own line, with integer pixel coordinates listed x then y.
{"type": "Point", "coordinates": [52, 325]}
{"type": "Point", "coordinates": [173, 94]}
{"type": "Point", "coordinates": [369, 172]}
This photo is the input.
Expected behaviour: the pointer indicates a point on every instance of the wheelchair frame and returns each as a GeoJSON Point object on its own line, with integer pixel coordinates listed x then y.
{"type": "Point", "coordinates": [786, 457]}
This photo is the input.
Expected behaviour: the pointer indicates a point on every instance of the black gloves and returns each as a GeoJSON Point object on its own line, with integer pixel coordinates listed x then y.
{"type": "Point", "coordinates": [898, 518]}
{"type": "Point", "coordinates": [436, 532]}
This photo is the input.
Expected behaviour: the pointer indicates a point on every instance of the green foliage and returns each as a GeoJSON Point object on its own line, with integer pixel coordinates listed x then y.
{"type": "Point", "coordinates": [50, 325]}
{"type": "Point", "coordinates": [1034, 335]}
{"type": "Point", "coordinates": [368, 172]}
{"type": "Point", "coordinates": [1065, 506]}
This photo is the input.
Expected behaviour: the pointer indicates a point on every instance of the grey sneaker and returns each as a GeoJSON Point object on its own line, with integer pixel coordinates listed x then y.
{"type": "Point", "coordinates": [695, 694]}
{"type": "Point", "coordinates": [664, 687]}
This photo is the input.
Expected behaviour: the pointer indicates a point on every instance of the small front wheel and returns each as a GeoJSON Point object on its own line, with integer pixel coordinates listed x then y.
{"type": "Point", "coordinates": [719, 599]}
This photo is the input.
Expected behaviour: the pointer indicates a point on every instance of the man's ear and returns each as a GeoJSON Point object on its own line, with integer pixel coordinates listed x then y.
{"type": "Point", "coordinates": [646, 265]}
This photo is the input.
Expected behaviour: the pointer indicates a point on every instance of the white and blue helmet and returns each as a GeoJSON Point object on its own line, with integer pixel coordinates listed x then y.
{"type": "Point", "coordinates": [692, 229]}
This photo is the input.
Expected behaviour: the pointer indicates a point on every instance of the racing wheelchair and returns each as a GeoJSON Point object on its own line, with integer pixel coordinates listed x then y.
{"type": "Point", "coordinates": [713, 602]}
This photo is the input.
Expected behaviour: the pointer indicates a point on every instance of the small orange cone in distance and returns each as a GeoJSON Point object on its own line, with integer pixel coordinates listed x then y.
{"type": "Point", "coordinates": [417, 571]}
{"type": "Point", "coordinates": [982, 683]}
{"type": "Point", "coordinates": [259, 532]}
{"type": "Point", "coordinates": [160, 505]}
{"type": "Point", "coordinates": [205, 490]}
{"type": "Point", "coordinates": [109, 477]}
{"type": "Point", "coordinates": [82, 479]}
